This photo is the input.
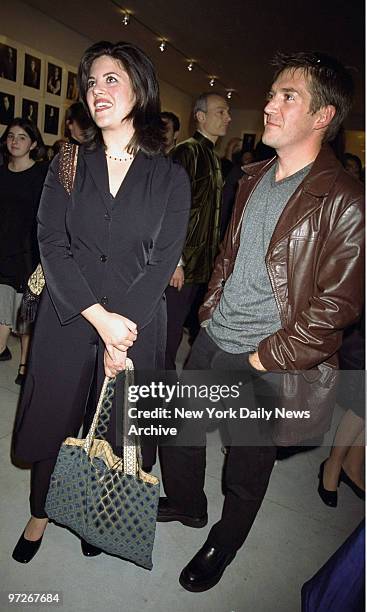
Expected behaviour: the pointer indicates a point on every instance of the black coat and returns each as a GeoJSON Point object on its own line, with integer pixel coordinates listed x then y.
{"type": "Point", "coordinates": [118, 251]}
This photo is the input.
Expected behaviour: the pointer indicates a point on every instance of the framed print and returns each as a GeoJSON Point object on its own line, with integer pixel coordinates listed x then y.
{"type": "Point", "coordinates": [8, 62]}
{"type": "Point", "coordinates": [51, 123]}
{"type": "Point", "coordinates": [72, 88]}
{"type": "Point", "coordinates": [54, 79]}
{"type": "Point", "coordinates": [30, 110]}
{"type": "Point", "coordinates": [32, 71]}
{"type": "Point", "coordinates": [7, 105]}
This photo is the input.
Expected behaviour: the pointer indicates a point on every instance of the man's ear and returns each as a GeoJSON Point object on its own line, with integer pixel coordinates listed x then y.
{"type": "Point", "coordinates": [324, 117]}
{"type": "Point", "coordinates": [200, 116]}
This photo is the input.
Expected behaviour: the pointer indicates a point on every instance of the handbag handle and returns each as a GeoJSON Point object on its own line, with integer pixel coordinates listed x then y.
{"type": "Point", "coordinates": [131, 446]}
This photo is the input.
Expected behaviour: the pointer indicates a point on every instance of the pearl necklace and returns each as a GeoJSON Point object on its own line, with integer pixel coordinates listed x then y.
{"type": "Point", "coordinates": [127, 157]}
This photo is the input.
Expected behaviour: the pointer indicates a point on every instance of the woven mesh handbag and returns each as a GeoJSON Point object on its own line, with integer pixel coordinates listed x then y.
{"type": "Point", "coordinates": [107, 500]}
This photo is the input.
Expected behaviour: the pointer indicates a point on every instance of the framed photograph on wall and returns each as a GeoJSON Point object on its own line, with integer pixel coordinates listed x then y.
{"type": "Point", "coordinates": [32, 71]}
{"type": "Point", "coordinates": [8, 62]}
{"type": "Point", "coordinates": [7, 106]}
{"type": "Point", "coordinates": [51, 122]}
{"type": "Point", "coordinates": [30, 110]}
{"type": "Point", "coordinates": [72, 87]}
{"type": "Point", "coordinates": [54, 79]}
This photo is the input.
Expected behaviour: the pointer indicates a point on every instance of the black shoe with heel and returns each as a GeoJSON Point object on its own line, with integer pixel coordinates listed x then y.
{"type": "Point", "coordinates": [5, 355]}
{"type": "Point", "coordinates": [25, 550]}
{"type": "Point", "coordinates": [352, 485]}
{"type": "Point", "coordinates": [89, 550]}
{"type": "Point", "coordinates": [330, 498]}
{"type": "Point", "coordinates": [20, 378]}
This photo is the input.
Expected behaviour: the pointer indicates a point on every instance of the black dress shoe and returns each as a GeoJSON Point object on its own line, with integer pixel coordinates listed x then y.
{"type": "Point", "coordinates": [25, 549]}
{"type": "Point", "coordinates": [5, 355]}
{"type": "Point", "coordinates": [205, 569]}
{"type": "Point", "coordinates": [167, 513]}
{"type": "Point", "coordinates": [89, 550]}
{"type": "Point", "coordinates": [330, 498]}
{"type": "Point", "coordinates": [352, 485]}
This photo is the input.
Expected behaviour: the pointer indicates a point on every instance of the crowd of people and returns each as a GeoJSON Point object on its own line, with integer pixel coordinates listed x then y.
{"type": "Point", "coordinates": [258, 256]}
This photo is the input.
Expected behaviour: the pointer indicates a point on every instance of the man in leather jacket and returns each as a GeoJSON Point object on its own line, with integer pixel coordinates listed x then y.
{"type": "Point", "coordinates": [287, 280]}
{"type": "Point", "coordinates": [197, 155]}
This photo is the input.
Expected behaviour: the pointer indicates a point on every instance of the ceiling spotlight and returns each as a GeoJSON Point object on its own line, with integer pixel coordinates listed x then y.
{"type": "Point", "coordinates": [229, 94]}
{"type": "Point", "coordinates": [163, 45]}
{"type": "Point", "coordinates": [212, 82]}
{"type": "Point", "coordinates": [190, 66]}
{"type": "Point", "coordinates": [126, 19]}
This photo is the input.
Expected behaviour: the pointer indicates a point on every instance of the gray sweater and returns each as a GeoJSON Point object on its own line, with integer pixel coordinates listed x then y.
{"type": "Point", "coordinates": [247, 312]}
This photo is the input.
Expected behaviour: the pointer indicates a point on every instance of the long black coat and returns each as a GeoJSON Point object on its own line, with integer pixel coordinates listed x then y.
{"type": "Point", "coordinates": [120, 252]}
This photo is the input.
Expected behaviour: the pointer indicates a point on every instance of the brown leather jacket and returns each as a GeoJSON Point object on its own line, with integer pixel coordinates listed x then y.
{"type": "Point", "coordinates": [314, 261]}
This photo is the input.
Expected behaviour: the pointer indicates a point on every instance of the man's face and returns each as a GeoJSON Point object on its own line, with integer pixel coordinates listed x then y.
{"type": "Point", "coordinates": [215, 120]}
{"type": "Point", "coordinates": [169, 134]}
{"type": "Point", "coordinates": [288, 121]}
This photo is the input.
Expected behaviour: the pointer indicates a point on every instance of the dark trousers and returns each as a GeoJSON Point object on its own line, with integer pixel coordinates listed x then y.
{"type": "Point", "coordinates": [179, 305]}
{"type": "Point", "coordinates": [247, 471]}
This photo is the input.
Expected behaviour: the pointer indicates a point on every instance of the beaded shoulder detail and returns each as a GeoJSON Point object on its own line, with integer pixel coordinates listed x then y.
{"type": "Point", "coordinates": [67, 165]}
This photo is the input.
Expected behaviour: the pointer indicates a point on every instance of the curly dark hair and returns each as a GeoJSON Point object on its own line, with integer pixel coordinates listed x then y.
{"type": "Point", "coordinates": [330, 83]}
{"type": "Point", "coordinates": [145, 114]}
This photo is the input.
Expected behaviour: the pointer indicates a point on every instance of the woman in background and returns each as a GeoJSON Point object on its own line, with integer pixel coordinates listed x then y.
{"type": "Point", "coordinates": [21, 182]}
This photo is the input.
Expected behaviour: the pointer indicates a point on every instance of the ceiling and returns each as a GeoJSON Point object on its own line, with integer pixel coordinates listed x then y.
{"type": "Point", "coordinates": [233, 39]}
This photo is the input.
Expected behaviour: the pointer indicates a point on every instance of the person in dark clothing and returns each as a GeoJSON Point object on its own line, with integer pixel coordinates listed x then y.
{"type": "Point", "coordinates": [288, 279]}
{"type": "Point", "coordinates": [21, 182]}
{"type": "Point", "coordinates": [77, 122]}
{"type": "Point", "coordinates": [108, 250]}
{"type": "Point", "coordinates": [197, 155]}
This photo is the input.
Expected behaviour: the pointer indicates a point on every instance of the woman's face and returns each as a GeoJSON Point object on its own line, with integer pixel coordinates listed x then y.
{"type": "Point", "coordinates": [18, 142]}
{"type": "Point", "coordinates": [110, 96]}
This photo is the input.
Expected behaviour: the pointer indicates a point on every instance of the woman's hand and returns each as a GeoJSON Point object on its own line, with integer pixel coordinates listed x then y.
{"type": "Point", "coordinates": [114, 362]}
{"type": "Point", "coordinates": [115, 330]}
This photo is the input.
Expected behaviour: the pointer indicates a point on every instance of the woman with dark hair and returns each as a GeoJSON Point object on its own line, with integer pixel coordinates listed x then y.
{"type": "Point", "coordinates": [21, 181]}
{"type": "Point", "coordinates": [77, 121]}
{"type": "Point", "coordinates": [108, 251]}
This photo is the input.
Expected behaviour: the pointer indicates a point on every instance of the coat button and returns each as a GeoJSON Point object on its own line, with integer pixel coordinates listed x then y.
{"type": "Point", "coordinates": [103, 258]}
{"type": "Point", "coordinates": [104, 300]}
{"type": "Point", "coordinates": [107, 217]}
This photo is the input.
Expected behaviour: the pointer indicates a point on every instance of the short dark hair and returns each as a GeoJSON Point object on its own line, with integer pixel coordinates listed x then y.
{"type": "Point", "coordinates": [145, 115]}
{"type": "Point", "coordinates": [172, 117]}
{"type": "Point", "coordinates": [34, 134]}
{"type": "Point", "coordinates": [76, 112]}
{"type": "Point", "coordinates": [330, 83]}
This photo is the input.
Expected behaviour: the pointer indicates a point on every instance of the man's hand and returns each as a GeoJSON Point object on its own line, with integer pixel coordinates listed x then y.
{"type": "Point", "coordinates": [255, 362]}
{"type": "Point", "coordinates": [178, 278]}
